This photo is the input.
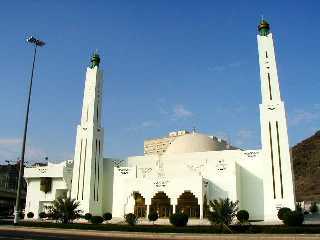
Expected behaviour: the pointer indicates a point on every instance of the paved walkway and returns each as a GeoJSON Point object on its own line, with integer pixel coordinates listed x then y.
{"type": "Point", "coordinates": [90, 234]}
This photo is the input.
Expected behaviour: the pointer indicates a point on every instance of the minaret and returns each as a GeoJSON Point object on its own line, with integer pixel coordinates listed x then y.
{"type": "Point", "coordinates": [277, 166]}
{"type": "Point", "coordinates": [88, 159]}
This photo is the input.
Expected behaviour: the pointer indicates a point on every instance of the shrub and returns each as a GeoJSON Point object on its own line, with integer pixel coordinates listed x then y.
{"type": "Point", "coordinates": [179, 219]}
{"type": "Point", "coordinates": [153, 216]}
{"type": "Point", "coordinates": [282, 211]}
{"type": "Point", "coordinates": [42, 215]}
{"type": "Point", "coordinates": [243, 216]}
{"type": "Point", "coordinates": [88, 216]}
{"type": "Point", "coordinates": [96, 219]}
{"type": "Point", "coordinates": [299, 207]}
{"type": "Point", "coordinates": [313, 207]}
{"type": "Point", "coordinates": [131, 219]}
{"type": "Point", "coordinates": [30, 215]}
{"type": "Point", "coordinates": [107, 216]}
{"type": "Point", "coordinates": [293, 218]}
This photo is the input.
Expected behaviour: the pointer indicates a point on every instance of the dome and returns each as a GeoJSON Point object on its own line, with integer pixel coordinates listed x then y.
{"type": "Point", "coordinates": [194, 142]}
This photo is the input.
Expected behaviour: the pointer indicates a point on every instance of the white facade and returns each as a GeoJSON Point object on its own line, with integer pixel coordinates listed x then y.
{"type": "Point", "coordinates": [192, 169]}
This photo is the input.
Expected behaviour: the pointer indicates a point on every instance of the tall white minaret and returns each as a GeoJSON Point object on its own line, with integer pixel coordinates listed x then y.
{"type": "Point", "coordinates": [87, 169]}
{"type": "Point", "coordinates": [277, 167]}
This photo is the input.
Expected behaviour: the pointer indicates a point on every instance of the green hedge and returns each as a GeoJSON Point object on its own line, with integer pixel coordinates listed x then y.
{"type": "Point", "coordinates": [276, 229]}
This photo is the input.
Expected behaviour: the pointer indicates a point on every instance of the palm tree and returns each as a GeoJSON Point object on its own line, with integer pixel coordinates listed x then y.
{"type": "Point", "coordinates": [223, 212]}
{"type": "Point", "coordinates": [64, 209]}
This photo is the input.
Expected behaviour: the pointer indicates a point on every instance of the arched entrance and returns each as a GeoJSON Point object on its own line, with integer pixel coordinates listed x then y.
{"type": "Point", "coordinates": [188, 204]}
{"type": "Point", "coordinates": [160, 203]}
{"type": "Point", "coordinates": [140, 208]}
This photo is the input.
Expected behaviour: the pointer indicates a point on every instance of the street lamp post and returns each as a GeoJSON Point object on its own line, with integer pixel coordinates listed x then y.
{"type": "Point", "coordinates": [36, 43]}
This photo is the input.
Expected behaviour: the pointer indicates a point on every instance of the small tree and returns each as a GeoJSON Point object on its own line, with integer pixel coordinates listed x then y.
{"type": "Point", "coordinates": [107, 216]}
{"type": "Point", "coordinates": [313, 207]}
{"type": "Point", "coordinates": [30, 215]}
{"type": "Point", "coordinates": [243, 216]}
{"type": "Point", "coordinates": [131, 219]}
{"type": "Point", "coordinates": [282, 212]}
{"type": "Point", "coordinates": [64, 209]}
{"type": "Point", "coordinates": [153, 216]}
{"type": "Point", "coordinates": [223, 212]}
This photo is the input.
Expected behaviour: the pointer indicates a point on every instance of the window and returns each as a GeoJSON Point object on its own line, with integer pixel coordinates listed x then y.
{"type": "Point", "coordinates": [266, 54]}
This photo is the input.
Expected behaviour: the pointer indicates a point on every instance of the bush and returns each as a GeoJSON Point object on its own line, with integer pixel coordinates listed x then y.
{"type": "Point", "coordinates": [30, 215]}
{"type": "Point", "coordinates": [299, 207]}
{"type": "Point", "coordinates": [293, 218]}
{"type": "Point", "coordinates": [313, 207]}
{"type": "Point", "coordinates": [42, 215]}
{"type": "Point", "coordinates": [107, 216]}
{"type": "Point", "coordinates": [243, 216]}
{"type": "Point", "coordinates": [88, 216]}
{"type": "Point", "coordinates": [131, 219]}
{"type": "Point", "coordinates": [179, 219]}
{"type": "Point", "coordinates": [282, 211]}
{"type": "Point", "coordinates": [96, 219]}
{"type": "Point", "coordinates": [153, 216]}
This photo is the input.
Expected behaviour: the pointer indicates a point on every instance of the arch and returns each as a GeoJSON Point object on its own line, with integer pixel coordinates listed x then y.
{"type": "Point", "coordinates": [160, 203]}
{"type": "Point", "coordinates": [188, 204]}
{"type": "Point", "coordinates": [140, 207]}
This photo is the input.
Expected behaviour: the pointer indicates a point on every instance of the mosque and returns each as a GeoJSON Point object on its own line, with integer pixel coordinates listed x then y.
{"type": "Point", "coordinates": [180, 172]}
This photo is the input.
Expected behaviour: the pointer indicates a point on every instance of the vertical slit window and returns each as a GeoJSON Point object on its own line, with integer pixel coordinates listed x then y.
{"type": "Point", "coordinates": [269, 81]}
{"type": "Point", "coordinates": [266, 54]}
{"type": "Point", "coordinates": [98, 171]}
{"type": "Point", "coordinates": [87, 114]}
{"type": "Point", "coordinates": [95, 173]}
{"type": "Point", "coordinates": [79, 170]}
{"type": "Point", "coordinates": [97, 112]}
{"type": "Point", "coordinates": [271, 154]}
{"type": "Point", "coordinates": [84, 167]}
{"type": "Point", "coordinates": [279, 153]}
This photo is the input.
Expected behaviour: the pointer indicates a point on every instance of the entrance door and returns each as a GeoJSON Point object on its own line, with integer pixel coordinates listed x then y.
{"type": "Point", "coordinates": [160, 203]}
{"type": "Point", "coordinates": [188, 204]}
{"type": "Point", "coordinates": [140, 208]}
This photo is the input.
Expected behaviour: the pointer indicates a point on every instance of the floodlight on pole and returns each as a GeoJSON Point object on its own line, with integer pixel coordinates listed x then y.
{"type": "Point", "coordinates": [36, 43]}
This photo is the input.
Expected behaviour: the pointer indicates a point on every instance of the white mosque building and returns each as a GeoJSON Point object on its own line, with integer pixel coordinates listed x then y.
{"type": "Point", "coordinates": [180, 172]}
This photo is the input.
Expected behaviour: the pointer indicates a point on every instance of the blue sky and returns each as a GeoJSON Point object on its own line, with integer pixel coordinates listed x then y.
{"type": "Point", "coordinates": [167, 65]}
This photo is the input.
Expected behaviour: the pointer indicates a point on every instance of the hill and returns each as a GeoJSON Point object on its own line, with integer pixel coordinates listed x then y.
{"type": "Point", "coordinates": [306, 167]}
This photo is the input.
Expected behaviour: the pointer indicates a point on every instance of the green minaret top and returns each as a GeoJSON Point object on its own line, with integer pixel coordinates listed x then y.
{"type": "Point", "coordinates": [95, 60]}
{"type": "Point", "coordinates": [264, 28]}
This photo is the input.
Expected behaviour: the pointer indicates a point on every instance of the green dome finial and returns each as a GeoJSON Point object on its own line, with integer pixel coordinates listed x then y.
{"type": "Point", "coordinates": [95, 60]}
{"type": "Point", "coordinates": [263, 28]}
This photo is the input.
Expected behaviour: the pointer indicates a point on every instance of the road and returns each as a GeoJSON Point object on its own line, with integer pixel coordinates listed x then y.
{"type": "Point", "coordinates": [32, 233]}
{"type": "Point", "coordinates": [26, 235]}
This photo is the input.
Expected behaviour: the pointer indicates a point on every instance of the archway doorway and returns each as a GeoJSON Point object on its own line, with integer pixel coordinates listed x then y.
{"type": "Point", "coordinates": [160, 203]}
{"type": "Point", "coordinates": [188, 204]}
{"type": "Point", "coordinates": [140, 208]}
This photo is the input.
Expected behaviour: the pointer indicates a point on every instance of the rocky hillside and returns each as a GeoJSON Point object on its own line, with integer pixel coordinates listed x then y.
{"type": "Point", "coordinates": [306, 166]}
